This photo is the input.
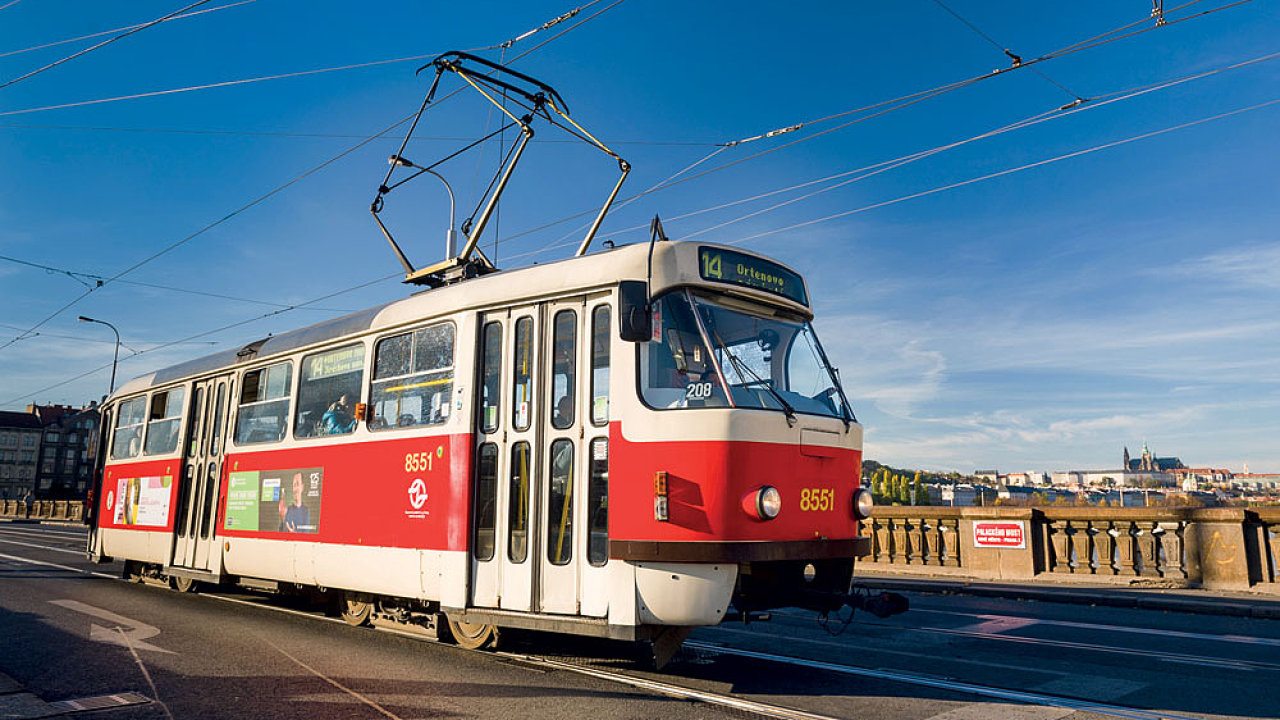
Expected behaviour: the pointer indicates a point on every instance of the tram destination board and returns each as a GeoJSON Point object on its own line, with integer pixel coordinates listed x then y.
{"type": "Point", "coordinates": [738, 268]}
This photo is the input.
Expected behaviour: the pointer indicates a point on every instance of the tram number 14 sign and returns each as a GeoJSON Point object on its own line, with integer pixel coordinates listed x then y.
{"type": "Point", "coordinates": [999, 534]}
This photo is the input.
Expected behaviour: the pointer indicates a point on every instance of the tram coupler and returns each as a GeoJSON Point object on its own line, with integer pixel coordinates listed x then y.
{"type": "Point", "coordinates": [882, 605]}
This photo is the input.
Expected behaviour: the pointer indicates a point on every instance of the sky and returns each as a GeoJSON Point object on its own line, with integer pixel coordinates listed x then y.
{"type": "Point", "coordinates": [1023, 270]}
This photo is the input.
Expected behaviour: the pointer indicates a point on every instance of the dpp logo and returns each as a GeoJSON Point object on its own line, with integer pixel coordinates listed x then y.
{"type": "Point", "coordinates": [417, 494]}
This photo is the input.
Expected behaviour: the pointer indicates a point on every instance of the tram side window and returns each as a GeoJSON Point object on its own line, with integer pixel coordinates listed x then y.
{"type": "Point", "coordinates": [163, 421]}
{"type": "Point", "coordinates": [264, 404]}
{"type": "Point", "coordinates": [490, 377]}
{"type": "Point", "coordinates": [486, 499]}
{"type": "Point", "coordinates": [600, 365]}
{"type": "Point", "coordinates": [563, 368]}
{"type": "Point", "coordinates": [328, 390]}
{"type": "Point", "coordinates": [522, 388]}
{"type": "Point", "coordinates": [413, 378]}
{"type": "Point", "coordinates": [560, 507]}
{"type": "Point", "coordinates": [518, 504]}
{"type": "Point", "coordinates": [126, 442]}
{"type": "Point", "coordinates": [598, 504]}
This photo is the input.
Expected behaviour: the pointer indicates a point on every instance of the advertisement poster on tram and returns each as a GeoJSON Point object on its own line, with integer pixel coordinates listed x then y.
{"type": "Point", "coordinates": [143, 501]}
{"type": "Point", "coordinates": [275, 500]}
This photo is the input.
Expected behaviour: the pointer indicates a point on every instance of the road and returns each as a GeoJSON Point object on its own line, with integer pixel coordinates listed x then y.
{"type": "Point", "coordinates": [71, 630]}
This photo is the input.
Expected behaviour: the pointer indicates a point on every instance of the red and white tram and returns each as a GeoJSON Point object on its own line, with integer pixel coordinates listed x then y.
{"type": "Point", "coordinates": [624, 444]}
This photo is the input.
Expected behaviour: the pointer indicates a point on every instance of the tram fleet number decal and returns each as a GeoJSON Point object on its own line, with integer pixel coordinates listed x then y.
{"type": "Point", "coordinates": [422, 461]}
{"type": "Point", "coordinates": [817, 499]}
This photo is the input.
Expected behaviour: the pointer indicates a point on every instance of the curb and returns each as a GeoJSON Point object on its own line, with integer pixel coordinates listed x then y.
{"type": "Point", "coordinates": [1264, 608]}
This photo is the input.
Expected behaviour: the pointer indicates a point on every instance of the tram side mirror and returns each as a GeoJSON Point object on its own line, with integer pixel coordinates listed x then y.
{"type": "Point", "coordinates": [635, 323]}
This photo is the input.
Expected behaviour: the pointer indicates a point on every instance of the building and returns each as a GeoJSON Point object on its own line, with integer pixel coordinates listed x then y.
{"type": "Point", "coordinates": [68, 450]}
{"type": "Point", "coordinates": [19, 448]}
{"type": "Point", "coordinates": [1149, 462]}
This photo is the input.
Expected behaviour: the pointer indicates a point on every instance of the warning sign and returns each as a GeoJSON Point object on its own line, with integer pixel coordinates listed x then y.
{"type": "Point", "coordinates": [999, 534]}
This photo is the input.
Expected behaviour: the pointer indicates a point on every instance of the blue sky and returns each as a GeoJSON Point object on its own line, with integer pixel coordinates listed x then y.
{"type": "Point", "coordinates": [1123, 288]}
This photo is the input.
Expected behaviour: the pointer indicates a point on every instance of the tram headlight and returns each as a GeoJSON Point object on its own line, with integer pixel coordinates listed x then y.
{"type": "Point", "coordinates": [862, 504]}
{"type": "Point", "coordinates": [768, 502]}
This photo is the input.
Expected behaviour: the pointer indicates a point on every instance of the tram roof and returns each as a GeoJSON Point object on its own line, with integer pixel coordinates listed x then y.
{"type": "Point", "coordinates": [530, 283]}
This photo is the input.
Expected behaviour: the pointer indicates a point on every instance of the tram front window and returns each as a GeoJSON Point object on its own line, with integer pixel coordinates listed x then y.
{"type": "Point", "coordinates": [765, 358]}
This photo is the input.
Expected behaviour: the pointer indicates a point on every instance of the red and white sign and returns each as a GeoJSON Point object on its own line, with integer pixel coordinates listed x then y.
{"type": "Point", "coordinates": [999, 534]}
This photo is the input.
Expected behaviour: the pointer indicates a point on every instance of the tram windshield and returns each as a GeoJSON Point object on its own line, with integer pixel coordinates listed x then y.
{"type": "Point", "coordinates": [717, 352]}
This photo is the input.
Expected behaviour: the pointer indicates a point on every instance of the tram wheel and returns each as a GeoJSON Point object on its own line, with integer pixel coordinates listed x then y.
{"type": "Point", "coordinates": [356, 612]}
{"type": "Point", "coordinates": [183, 584]}
{"type": "Point", "coordinates": [132, 571]}
{"type": "Point", "coordinates": [474, 635]}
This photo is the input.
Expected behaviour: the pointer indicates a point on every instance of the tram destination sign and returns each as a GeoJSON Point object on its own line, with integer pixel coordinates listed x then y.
{"type": "Point", "coordinates": [738, 268]}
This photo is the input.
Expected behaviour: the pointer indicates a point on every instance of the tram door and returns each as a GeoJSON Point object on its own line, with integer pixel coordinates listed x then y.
{"type": "Point", "coordinates": [194, 542]}
{"type": "Point", "coordinates": [531, 519]}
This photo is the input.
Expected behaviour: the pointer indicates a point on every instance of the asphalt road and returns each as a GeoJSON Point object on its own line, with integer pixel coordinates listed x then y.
{"type": "Point", "coordinates": [70, 629]}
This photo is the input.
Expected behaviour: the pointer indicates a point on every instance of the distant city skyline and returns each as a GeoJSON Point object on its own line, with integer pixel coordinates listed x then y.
{"type": "Point", "coordinates": [1027, 271]}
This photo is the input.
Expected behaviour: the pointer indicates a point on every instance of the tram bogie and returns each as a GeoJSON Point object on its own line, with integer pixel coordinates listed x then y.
{"type": "Point", "coordinates": [612, 445]}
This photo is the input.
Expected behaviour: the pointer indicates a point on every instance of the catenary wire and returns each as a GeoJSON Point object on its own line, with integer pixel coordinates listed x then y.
{"type": "Point", "coordinates": [877, 168]}
{"type": "Point", "coordinates": [1009, 171]}
{"type": "Point", "coordinates": [90, 36]}
{"type": "Point", "coordinates": [882, 108]}
{"type": "Point", "coordinates": [81, 277]}
{"type": "Point", "coordinates": [104, 43]}
{"type": "Point", "coordinates": [271, 193]}
{"type": "Point", "coordinates": [1011, 55]}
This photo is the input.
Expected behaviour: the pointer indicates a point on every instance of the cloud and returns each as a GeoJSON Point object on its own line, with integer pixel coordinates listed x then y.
{"type": "Point", "coordinates": [1255, 265]}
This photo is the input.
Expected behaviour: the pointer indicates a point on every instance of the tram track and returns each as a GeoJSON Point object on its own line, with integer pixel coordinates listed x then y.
{"type": "Point", "coordinates": [672, 686]}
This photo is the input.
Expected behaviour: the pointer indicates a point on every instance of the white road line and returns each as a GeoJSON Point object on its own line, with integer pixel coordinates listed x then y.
{"type": "Point", "coordinates": [44, 547]}
{"type": "Point", "coordinates": [1166, 656]}
{"type": "Point", "coordinates": [29, 561]}
{"type": "Point", "coordinates": [932, 656]}
{"type": "Point", "coordinates": [1241, 639]}
{"type": "Point", "coordinates": [1004, 711]}
{"type": "Point", "coordinates": [710, 698]}
{"type": "Point", "coordinates": [953, 685]}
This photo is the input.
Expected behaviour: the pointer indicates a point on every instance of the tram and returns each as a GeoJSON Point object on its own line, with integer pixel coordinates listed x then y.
{"type": "Point", "coordinates": [627, 444]}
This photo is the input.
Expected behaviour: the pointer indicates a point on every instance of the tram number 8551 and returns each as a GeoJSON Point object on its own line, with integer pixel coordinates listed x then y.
{"type": "Point", "coordinates": [817, 499]}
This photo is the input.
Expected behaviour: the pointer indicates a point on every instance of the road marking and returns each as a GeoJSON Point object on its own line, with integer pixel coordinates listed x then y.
{"type": "Point", "coordinates": [124, 631]}
{"type": "Point", "coordinates": [885, 651]}
{"type": "Point", "coordinates": [1165, 656]}
{"type": "Point", "coordinates": [1241, 639]}
{"type": "Point", "coordinates": [999, 624]}
{"type": "Point", "coordinates": [44, 547]}
{"type": "Point", "coordinates": [1020, 696]}
{"type": "Point", "coordinates": [30, 561]}
{"type": "Point", "coordinates": [728, 701]}
{"type": "Point", "coordinates": [335, 683]}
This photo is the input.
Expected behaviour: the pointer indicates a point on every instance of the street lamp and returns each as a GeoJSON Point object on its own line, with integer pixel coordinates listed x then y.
{"type": "Point", "coordinates": [115, 360]}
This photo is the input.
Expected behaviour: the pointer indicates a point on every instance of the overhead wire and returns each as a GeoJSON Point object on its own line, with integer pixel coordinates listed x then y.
{"type": "Point", "coordinates": [91, 36]}
{"type": "Point", "coordinates": [1009, 171]}
{"type": "Point", "coordinates": [1017, 60]}
{"type": "Point", "coordinates": [259, 200]}
{"type": "Point", "coordinates": [884, 107]}
{"type": "Point", "coordinates": [81, 277]}
{"type": "Point", "coordinates": [867, 171]}
{"type": "Point", "coordinates": [102, 44]}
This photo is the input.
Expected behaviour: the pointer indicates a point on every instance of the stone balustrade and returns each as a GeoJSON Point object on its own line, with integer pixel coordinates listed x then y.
{"type": "Point", "coordinates": [64, 510]}
{"type": "Point", "coordinates": [1223, 548]}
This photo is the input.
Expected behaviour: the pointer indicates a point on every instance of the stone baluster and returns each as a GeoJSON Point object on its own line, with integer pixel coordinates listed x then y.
{"type": "Point", "coordinates": [1060, 540]}
{"type": "Point", "coordinates": [932, 541]}
{"type": "Point", "coordinates": [1172, 563]}
{"type": "Point", "coordinates": [949, 542]}
{"type": "Point", "coordinates": [879, 541]}
{"type": "Point", "coordinates": [1126, 548]}
{"type": "Point", "coordinates": [1149, 547]}
{"type": "Point", "coordinates": [1104, 543]}
{"type": "Point", "coordinates": [1273, 541]}
{"type": "Point", "coordinates": [902, 541]}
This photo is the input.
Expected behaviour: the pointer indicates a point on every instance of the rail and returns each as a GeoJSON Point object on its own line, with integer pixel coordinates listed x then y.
{"type": "Point", "coordinates": [1220, 548]}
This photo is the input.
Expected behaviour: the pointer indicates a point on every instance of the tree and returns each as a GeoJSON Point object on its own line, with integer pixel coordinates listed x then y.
{"type": "Point", "coordinates": [920, 493]}
{"type": "Point", "coordinates": [904, 490]}
{"type": "Point", "coordinates": [877, 484]}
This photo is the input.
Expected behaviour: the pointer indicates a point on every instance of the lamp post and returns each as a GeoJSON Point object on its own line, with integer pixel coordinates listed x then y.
{"type": "Point", "coordinates": [114, 360]}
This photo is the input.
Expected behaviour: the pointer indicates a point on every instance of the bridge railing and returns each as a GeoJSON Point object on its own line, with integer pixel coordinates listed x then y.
{"type": "Point", "coordinates": [1226, 548]}
{"type": "Point", "coordinates": [64, 510]}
